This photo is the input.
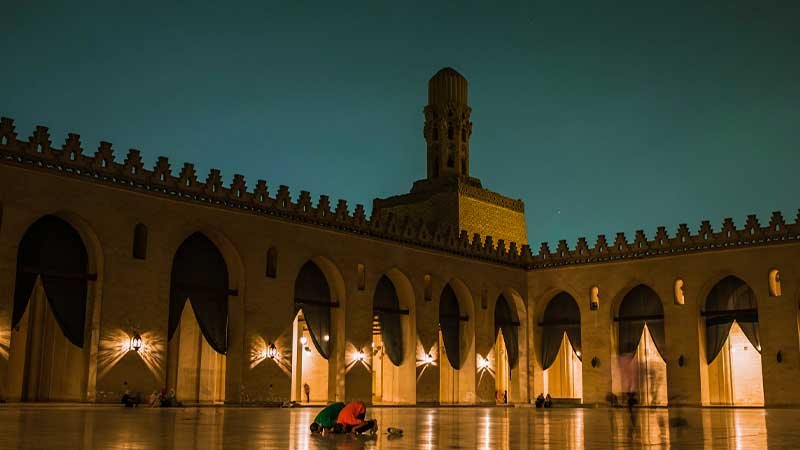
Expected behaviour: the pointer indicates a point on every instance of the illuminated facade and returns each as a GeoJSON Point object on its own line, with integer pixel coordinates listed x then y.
{"type": "Point", "coordinates": [115, 273]}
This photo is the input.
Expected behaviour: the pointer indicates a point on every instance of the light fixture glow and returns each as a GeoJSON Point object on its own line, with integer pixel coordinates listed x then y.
{"type": "Point", "coordinates": [303, 341]}
{"type": "Point", "coordinates": [136, 342]}
{"type": "Point", "coordinates": [360, 356]}
{"type": "Point", "coordinates": [427, 359]}
{"type": "Point", "coordinates": [326, 338]}
{"type": "Point", "coordinates": [272, 351]}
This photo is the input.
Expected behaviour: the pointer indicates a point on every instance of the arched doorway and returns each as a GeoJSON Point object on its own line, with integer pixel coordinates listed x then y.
{"type": "Point", "coordinates": [313, 336]}
{"type": "Point", "coordinates": [561, 348]}
{"type": "Point", "coordinates": [506, 347]}
{"type": "Point", "coordinates": [733, 347]}
{"type": "Point", "coordinates": [393, 343]}
{"type": "Point", "coordinates": [457, 364]}
{"type": "Point", "coordinates": [640, 332]}
{"type": "Point", "coordinates": [198, 321]}
{"type": "Point", "coordinates": [47, 361]}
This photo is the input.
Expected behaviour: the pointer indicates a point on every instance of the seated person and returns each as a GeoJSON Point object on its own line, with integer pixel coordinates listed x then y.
{"type": "Point", "coordinates": [539, 401]}
{"type": "Point", "coordinates": [548, 401]}
{"type": "Point", "coordinates": [326, 419]}
{"type": "Point", "coordinates": [351, 419]}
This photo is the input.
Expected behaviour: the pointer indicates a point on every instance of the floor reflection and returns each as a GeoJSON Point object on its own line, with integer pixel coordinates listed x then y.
{"type": "Point", "coordinates": [497, 428]}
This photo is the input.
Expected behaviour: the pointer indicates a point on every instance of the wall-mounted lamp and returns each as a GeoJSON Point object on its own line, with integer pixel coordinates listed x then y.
{"type": "Point", "coordinates": [595, 361]}
{"type": "Point", "coordinates": [136, 342]}
{"type": "Point", "coordinates": [326, 338]}
{"type": "Point", "coordinates": [483, 363]}
{"type": "Point", "coordinates": [303, 341]}
{"type": "Point", "coordinates": [578, 353]}
{"type": "Point", "coordinates": [272, 351]}
{"type": "Point", "coordinates": [360, 356]}
{"type": "Point", "coordinates": [427, 359]}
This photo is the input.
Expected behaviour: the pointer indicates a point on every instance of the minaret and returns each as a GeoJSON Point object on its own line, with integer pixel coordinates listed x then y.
{"type": "Point", "coordinates": [447, 126]}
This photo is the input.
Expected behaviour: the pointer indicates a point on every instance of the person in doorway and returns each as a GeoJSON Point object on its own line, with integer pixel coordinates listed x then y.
{"type": "Point", "coordinates": [325, 422]}
{"type": "Point", "coordinates": [352, 419]}
{"type": "Point", "coordinates": [307, 391]}
{"type": "Point", "coordinates": [505, 397]}
{"type": "Point", "coordinates": [548, 401]}
{"type": "Point", "coordinates": [539, 401]}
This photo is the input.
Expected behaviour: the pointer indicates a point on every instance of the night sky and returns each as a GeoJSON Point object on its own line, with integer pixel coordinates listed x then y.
{"type": "Point", "coordinates": [602, 119]}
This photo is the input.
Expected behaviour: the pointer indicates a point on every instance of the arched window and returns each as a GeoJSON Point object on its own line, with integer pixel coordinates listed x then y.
{"type": "Point", "coordinates": [774, 283]}
{"type": "Point", "coordinates": [140, 241]}
{"type": "Point", "coordinates": [4, 140]}
{"type": "Point", "coordinates": [679, 298]}
{"type": "Point", "coordinates": [428, 288]}
{"type": "Point", "coordinates": [463, 166]}
{"type": "Point", "coordinates": [594, 298]}
{"type": "Point", "coordinates": [450, 132]}
{"type": "Point", "coordinates": [362, 277]}
{"type": "Point", "coordinates": [272, 262]}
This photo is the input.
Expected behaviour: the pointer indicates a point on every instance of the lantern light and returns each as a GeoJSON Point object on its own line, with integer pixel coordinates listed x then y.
{"type": "Point", "coordinates": [272, 351]}
{"type": "Point", "coordinates": [136, 342]}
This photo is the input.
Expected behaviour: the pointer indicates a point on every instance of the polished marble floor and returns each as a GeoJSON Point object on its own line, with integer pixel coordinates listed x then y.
{"type": "Point", "coordinates": [110, 427]}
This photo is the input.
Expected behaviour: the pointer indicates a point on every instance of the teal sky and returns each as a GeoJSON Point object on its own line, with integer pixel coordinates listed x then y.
{"type": "Point", "coordinates": [601, 118]}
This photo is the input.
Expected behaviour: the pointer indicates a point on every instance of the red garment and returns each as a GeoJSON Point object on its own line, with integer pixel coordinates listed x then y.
{"type": "Point", "coordinates": [349, 414]}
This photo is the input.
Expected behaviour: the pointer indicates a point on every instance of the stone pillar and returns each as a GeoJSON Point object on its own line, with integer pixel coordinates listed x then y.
{"type": "Point", "coordinates": [778, 327]}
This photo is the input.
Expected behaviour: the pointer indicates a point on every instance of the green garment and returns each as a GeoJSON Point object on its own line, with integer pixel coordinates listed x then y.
{"type": "Point", "coordinates": [327, 417]}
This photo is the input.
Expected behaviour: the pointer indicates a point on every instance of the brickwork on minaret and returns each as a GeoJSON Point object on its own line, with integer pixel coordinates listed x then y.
{"type": "Point", "coordinates": [449, 195]}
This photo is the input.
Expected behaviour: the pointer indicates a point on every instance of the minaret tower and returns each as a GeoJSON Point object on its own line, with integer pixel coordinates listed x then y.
{"type": "Point", "coordinates": [447, 126]}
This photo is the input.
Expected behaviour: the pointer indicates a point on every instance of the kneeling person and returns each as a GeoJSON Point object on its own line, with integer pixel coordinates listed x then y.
{"type": "Point", "coordinates": [326, 419]}
{"type": "Point", "coordinates": [351, 418]}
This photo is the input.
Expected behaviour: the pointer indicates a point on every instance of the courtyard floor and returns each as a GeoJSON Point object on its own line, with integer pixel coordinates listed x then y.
{"type": "Point", "coordinates": [110, 427]}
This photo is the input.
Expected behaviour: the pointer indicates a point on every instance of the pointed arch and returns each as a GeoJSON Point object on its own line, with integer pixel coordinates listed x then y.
{"type": "Point", "coordinates": [507, 320]}
{"type": "Point", "coordinates": [53, 250]}
{"type": "Point", "coordinates": [641, 306]}
{"type": "Point", "coordinates": [199, 274]}
{"type": "Point", "coordinates": [562, 315]}
{"type": "Point", "coordinates": [312, 294]}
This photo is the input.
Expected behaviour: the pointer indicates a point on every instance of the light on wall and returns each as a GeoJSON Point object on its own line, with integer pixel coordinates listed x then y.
{"type": "Point", "coordinates": [427, 359]}
{"type": "Point", "coordinates": [483, 363]}
{"type": "Point", "coordinates": [136, 342]}
{"type": "Point", "coordinates": [360, 356]}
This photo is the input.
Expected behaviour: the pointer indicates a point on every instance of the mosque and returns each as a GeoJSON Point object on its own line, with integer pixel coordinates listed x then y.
{"type": "Point", "coordinates": [115, 276]}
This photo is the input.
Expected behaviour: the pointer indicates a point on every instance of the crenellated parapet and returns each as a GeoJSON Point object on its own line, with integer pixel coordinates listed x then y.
{"type": "Point", "coordinates": [38, 153]}
{"type": "Point", "coordinates": [185, 184]}
{"type": "Point", "coordinates": [728, 236]}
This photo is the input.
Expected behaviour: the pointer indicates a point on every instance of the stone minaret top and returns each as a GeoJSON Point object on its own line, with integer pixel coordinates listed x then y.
{"type": "Point", "coordinates": [447, 126]}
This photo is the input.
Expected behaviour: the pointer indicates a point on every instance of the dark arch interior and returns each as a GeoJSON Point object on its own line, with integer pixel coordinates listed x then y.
{"type": "Point", "coordinates": [731, 299]}
{"type": "Point", "coordinates": [449, 321]}
{"type": "Point", "coordinates": [199, 273]}
{"type": "Point", "coordinates": [312, 294]}
{"type": "Point", "coordinates": [52, 249]}
{"type": "Point", "coordinates": [386, 305]}
{"type": "Point", "coordinates": [505, 319]}
{"type": "Point", "coordinates": [641, 306]}
{"type": "Point", "coordinates": [561, 315]}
